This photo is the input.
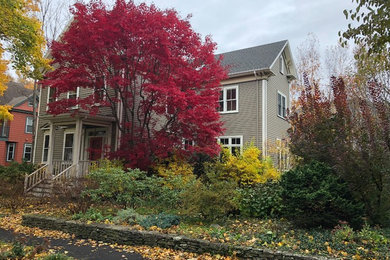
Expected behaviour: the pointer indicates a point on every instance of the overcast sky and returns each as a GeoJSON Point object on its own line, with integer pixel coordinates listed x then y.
{"type": "Point", "coordinates": [239, 24]}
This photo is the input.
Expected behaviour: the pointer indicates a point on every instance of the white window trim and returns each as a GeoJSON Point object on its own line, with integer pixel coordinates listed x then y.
{"type": "Point", "coordinates": [13, 152]}
{"type": "Point", "coordinates": [24, 151]}
{"type": "Point", "coordinates": [104, 90]}
{"type": "Point", "coordinates": [282, 65]}
{"type": "Point", "coordinates": [77, 96]}
{"type": "Point", "coordinates": [224, 90]}
{"type": "Point", "coordinates": [277, 102]}
{"type": "Point", "coordinates": [43, 147]}
{"type": "Point", "coordinates": [230, 137]}
{"type": "Point", "coordinates": [48, 97]}
{"type": "Point", "coordinates": [63, 144]}
{"type": "Point", "coordinates": [32, 124]}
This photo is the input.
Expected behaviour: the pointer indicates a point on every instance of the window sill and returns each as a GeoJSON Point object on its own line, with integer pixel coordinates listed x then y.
{"type": "Point", "coordinates": [284, 118]}
{"type": "Point", "coordinates": [229, 112]}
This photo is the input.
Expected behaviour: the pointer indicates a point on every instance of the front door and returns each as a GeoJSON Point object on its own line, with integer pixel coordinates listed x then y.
{"type": "Point", "coordinates": [95, 148]}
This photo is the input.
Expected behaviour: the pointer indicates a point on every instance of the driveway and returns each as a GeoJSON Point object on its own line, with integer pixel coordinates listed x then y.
{"type": "Point", "coordinates": [74, 247]}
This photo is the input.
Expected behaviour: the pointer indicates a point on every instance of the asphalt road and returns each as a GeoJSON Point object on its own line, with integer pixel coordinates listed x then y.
{"type": "Point", "coordinates": [74, 250]}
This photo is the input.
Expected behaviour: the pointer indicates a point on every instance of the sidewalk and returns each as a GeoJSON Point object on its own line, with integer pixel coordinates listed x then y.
{"type": "Point", "coordinates": [81, 252]}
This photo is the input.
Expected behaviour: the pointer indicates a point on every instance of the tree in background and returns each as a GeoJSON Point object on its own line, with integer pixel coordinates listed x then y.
{"type": "Point", "coordinates": [308, 62]}
{"type": "Point", "coordinates": [352, 135]}
{"type": "Point", "coordinates": [22, 38]}
{"type": "Point", "coordinates": [164, 78]}
{"type": "Point", "coordinates": [374, 28]}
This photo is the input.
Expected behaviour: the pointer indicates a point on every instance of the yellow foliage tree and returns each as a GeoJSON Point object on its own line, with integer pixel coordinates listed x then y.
{"type": "Point", "coordinates": [248, 168]}
{"type": "Point", "coordinates": [21, 36]}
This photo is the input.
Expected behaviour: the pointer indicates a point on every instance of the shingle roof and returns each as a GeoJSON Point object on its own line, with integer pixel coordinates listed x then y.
{"type": "Point", "coordinates": [14, 90]}
{"type": "Point", "coordinates": [254, 58]}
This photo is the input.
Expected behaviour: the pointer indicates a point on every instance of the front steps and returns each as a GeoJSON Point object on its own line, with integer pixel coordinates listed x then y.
{"type": "Point", "coordinates": [43, 189]}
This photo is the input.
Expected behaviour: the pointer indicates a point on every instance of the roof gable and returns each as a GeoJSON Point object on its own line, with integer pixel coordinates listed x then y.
{"type": "Point", "coordinates": [255, 58]}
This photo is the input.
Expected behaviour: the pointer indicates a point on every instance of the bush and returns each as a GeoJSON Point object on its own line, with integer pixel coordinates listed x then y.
{"type": "Point", "coordinates": [247, 168]}
{"type": "Point", "coordinates": [58, 256]}
{"type": "Point", "coordinates": [261, 201]}
{"type": "Point", "coordinates": [161, 220]}
{"type": "Point", "coordinates": [213, 199]}
{"type": "Point", "coordinates": [92, 215]}
{"type": "Point", "coordinates": [314, 196]}
{"type": "Point", "coordinates": [69, 194]}
{"type": "Point", "coordinates": [129, 216]}
{"type": "Point", "coordinates": [132, 188]}
{"type": "Point", "coordinates": [173, 166]}
{"type": "Point", "coordinates": [12, 184]}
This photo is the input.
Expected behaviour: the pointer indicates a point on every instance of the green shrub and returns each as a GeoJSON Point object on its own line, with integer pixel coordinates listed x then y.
{"type": "Point", "coordinates": [91, 214]}
{"type": "Point", "coordinates": [314, 196]}
{"type": "Point", "coordinates": [132, 188]}
{"type": "Point", "coordinates": [58, 256]}
{"type": "Point", "coordinates": [161, 220]}
{"type": "Point", "coordinates": [260, 201]}
{"type": "Point", "coordinates": [129, 216]}
{"type": "Point", "coordinates": [211, 200]}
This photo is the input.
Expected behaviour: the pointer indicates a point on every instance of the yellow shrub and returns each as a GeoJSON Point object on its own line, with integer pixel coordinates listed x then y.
{"type": "Point", "coordinates": [174, 166]}
{"type": "Point", "coordinates": [248, 167]}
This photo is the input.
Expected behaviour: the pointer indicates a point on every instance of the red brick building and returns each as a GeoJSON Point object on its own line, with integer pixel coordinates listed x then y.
{"type": "Point", "coordinates": [16, 135]}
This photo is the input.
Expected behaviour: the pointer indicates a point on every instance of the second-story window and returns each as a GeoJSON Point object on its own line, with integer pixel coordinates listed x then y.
{"type": "Point", "coordinates": [50, 96]}
{"type": "Point", "coordinates": [73, 94]}
{"type": "Point", "coordinates": [282, 105]}
{"type": "Point", "coordinates": [29, 125]}
{"type": "Point", "coordinates": [228, 99]}
{"type": "Point", "coordinates": [99, 90]}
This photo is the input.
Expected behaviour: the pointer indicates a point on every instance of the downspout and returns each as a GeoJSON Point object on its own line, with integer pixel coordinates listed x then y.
{"type": "Point", "coordinates": [35, 119]}
{"type": "Point", "coordinates": [257, 108]}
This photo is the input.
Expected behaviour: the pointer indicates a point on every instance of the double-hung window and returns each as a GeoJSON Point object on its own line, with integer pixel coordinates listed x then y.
{"type": "Point", "coordinates": [282, 65]}
{"type": "Point", "coordinates": [228, 99]}
{"type": "Point", "coordinates": [46, 143]}
{"type": "Point", "coordinates": [99, 91]}
{"type": "Point", "coordinates": [282, 105]}
{"type": "Point", "coordinates": [68, 147]}
{"type": "Point", "coordinates": [29, 125]}
{"type": "Point", "coordinates": [27, 151]}
{"type": "Point", "coordinates": [73, 95]}
{"type": "Point", "coordinates": [11, 151]}
{"type": "Point", "coordinates": [233, 143]}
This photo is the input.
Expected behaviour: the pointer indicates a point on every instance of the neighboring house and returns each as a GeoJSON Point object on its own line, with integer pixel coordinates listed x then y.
{"type": "Point", "coordinates": [253, 105]}
{"type": "Point", "coordinates": [255, 98]}
{"type": "Point", "coordinates": [16, 136]}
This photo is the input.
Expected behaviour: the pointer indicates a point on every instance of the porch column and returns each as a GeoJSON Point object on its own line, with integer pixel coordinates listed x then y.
{"type": "Point", "coordinates": [77, 145]}
{"type": "Point", "coordinates": [51, 149]}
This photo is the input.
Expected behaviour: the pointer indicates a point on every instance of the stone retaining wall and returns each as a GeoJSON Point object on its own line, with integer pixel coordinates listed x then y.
{"type": "Point", "coordinates": [128, 236]}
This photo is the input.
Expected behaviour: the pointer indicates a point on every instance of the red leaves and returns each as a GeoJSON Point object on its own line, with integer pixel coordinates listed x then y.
{"type": "Point", "coordinates": [154, 64]}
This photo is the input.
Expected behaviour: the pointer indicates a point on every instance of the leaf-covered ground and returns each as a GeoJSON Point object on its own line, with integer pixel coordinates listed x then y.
{"type": "Point", "coordinates": [12, 221]}
{"type": "Point", "coordinates": [342, 242]}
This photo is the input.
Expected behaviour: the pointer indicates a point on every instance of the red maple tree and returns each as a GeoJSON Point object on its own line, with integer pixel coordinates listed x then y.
{"type": "Point", "coordinates": [151, 65]}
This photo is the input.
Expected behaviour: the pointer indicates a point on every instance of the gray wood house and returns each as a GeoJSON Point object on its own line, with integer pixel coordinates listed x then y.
{"type": "Point", "coordinates": [253, 104]}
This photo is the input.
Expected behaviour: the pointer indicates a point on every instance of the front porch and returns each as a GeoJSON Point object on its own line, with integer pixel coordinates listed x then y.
{"type": "Point", "coordinates": [67, 149]}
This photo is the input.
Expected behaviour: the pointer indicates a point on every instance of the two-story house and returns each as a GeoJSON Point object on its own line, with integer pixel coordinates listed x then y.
{"type": "Point", "coordinates": [255, 98]}
{"type": "Point", "coordinates": [253, 104]}
{"type": "Point", "coordinates": [16, 136]}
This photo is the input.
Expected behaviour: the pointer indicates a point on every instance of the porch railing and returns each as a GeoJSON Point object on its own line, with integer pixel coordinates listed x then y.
{"type": "Point", "coordinates": [58, 171]}
{"type": "Point", "coordinates": [66, 174]}
{"type": "Point", "coordinates": [33, 179]}
{"type": "Point", "coordinates": [59, 166]}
